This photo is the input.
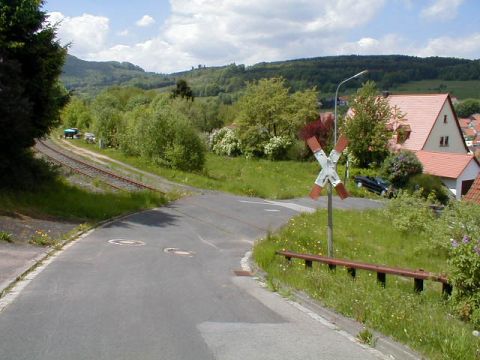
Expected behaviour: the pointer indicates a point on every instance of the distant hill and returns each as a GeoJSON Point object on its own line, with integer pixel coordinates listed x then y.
{"type": "Point", "coordinates": [389, 71]}
{"type": "Point", "coordinates": [90, 77]}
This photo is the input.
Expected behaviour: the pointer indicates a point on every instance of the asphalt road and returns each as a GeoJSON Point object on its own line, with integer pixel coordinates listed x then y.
{"type": "Point", "coordinates": [160, 285]}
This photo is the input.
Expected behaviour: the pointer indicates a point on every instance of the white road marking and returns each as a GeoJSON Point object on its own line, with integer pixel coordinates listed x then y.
{"type": "Point", "coordinates": [288, 205]}
{"type": "Point", "coordinates": [291, 206]}
{"type": "Point", "coordinates": [272, 210]}
{"type": "Point", "coordinates": [209, 243]}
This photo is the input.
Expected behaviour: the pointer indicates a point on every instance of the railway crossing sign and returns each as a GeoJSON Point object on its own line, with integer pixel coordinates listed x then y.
{"type": "Point", "coordinates": [329, 167]}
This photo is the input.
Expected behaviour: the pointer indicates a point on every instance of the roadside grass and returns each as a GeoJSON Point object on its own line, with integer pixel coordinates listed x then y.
{"type": "Point", "coordinates": [241, 176]}
{"type": "Point", "coordinates": [4, 236]}
{"type": "Point", "coordinates": [61, 200]}
{"type": "Point", "coordinates": [461, 89]}
{"type": "Point", "coordinates": [422, 321]}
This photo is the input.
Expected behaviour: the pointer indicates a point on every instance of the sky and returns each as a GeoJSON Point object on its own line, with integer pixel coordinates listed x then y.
{"type": "Point", "coordinates": [169, 36]}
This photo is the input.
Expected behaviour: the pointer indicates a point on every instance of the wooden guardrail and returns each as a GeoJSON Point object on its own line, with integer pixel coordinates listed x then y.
{"type": "Point", "coordinates": [418, 275]}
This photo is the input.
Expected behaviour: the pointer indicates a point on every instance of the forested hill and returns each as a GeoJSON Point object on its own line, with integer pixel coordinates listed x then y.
{"type": "Point", "coordinates": [324, 72]}
{"type": "Point", "coordinates": [89, 77]}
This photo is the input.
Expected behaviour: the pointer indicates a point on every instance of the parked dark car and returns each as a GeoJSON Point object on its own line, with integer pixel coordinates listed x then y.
{"type": "Point", "coordinates": [374, 184]}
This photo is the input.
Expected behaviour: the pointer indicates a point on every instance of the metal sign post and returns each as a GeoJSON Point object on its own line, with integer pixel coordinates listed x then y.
{"type": "Point", "coordinates": [328, 175]}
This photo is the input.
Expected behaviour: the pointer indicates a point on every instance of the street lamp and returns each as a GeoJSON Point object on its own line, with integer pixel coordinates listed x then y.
{"type": "Point", "coordinates": [330, 198]}
{"type": "Point", "coordinates": [336, 98]}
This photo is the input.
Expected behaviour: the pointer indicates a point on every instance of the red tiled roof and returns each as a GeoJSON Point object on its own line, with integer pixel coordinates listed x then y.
{"type": "Point", "coordinates": [464, 122]}
{"type": "Point", "coordinates": [421, 111]}
{"type": "Point", "coordinates": [475, 117]}
{"type": "Point", "coordinates": [442, 164]}
{"type": "Point", "coordinates": [474, 193]}
{"type": "Point", "coordinates": [469, 132]}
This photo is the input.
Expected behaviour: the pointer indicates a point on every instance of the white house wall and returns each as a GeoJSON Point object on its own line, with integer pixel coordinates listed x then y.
{"type": "Point", "coordinates": [455, 185]}
{"type": "Point", "coordinates": [450, 129]}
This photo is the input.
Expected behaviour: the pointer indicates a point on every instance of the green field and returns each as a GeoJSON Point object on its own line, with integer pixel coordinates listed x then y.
{"type": "Point", "coordinates": [460, 89]}
{"type": "Point", "coordinates": [422, 321]}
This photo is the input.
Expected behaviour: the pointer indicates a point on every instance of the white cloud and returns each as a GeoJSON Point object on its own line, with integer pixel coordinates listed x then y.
{"type": "Point", "coordinates": [87, 33]}
{"type": "Point", "coordinates": [145, 21]}
{"type": "Point", "coordinates": [217, 32]}
{"type": "Point", "coordinates": [388, 44]}
{"type": "Point", "coordinates": [468, 46]}
{"type": "Point", "coordinates": [441, 9]}
{"type": "Point", "coordinates": [124, 32]}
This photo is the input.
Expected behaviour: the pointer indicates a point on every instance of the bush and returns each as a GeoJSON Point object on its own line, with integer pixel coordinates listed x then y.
{"type": "Point", "coordinates": [458, 219]}
{"type": "Point", "coordinates": [429, 186]}
{"type": "Point", "coordinates": [162, 135]}
{"type": "Point", "coordinates": [225, 142]}
{"type": "Point", "coordinates": [465, 277]}
{"type": "Point", "coordinates": [277, 147]}
{"type": "Point", "coordinates": [410, 212]}
{"type": "Point", "coordinates": [187, 150]}
{"type": "Point", "coordinates": [253, 141]}
{"type": "Point", "coordinates": [399, 167]}
{"type": "Point", "coordinates": [298, 151]}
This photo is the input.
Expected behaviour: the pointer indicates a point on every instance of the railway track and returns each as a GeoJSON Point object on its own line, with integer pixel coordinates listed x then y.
{"type": "Point", "coordinates": [81, 167]}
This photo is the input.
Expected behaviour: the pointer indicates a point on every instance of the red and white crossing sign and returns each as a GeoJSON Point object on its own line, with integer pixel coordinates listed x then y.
{"type": "Point", "coordinates": [329, 167]}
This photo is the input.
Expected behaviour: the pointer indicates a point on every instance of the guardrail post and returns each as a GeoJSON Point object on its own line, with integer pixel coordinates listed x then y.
{"type": "Point", "coordinates": [382, 278]}
{"type": "Point", "coordinates": [308, 264]}
{"type": "Point", "coordinates": [352, 272]}
{"type": "Point", "coordinates": [447, 289]}
{"type": "Point", "coordinates": [418, 285]}
{"type": "Point", "coordinates": [332, 267]}
{"type": "Point", "coordinates": [289, 258]}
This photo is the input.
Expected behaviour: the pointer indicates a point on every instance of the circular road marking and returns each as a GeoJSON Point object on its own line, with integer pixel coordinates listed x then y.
{"type": "Point", "coordinates": [125, 242]}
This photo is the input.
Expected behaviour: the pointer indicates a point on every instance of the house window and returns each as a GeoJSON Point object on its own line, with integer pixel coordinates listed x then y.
{"type": "Point", "coordinates": [443, 141]}
{"type": "Point", "coordinates": [444, 119]}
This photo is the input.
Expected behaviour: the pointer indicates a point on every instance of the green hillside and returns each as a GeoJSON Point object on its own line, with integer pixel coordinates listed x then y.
{"type": "Point", "coordinates": [391, 72]}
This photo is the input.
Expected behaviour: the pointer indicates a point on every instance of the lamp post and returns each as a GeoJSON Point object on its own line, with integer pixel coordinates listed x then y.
{"type": "Point", "coordinates": [330, 197]}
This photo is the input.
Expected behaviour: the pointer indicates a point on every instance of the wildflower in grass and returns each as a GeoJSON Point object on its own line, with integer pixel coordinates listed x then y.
{"type": "Point", "coordinates": [466, 239]}
{"type": "Point", "coordinates": [477, 249]}
{"type": "Point", "coordinates": [454, 243]}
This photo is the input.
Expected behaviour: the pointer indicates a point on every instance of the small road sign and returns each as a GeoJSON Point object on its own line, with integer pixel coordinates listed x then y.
{"type": "Point", "coordinates": [329, 167]}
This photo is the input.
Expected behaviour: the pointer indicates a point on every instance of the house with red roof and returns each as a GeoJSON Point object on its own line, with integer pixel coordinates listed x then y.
{"type": "Point", "coordinates": [474, 193]}
{"type": "Point", "coordinates": [427, 125]}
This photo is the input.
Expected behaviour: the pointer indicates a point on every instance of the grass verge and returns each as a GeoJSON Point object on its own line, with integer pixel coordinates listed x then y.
{"type": "Point", "coordinates": [422, 321]}
{"type": "Point", "coordinates": [61, 200]}
{"type": "Point", "coordinates": [241, 176]}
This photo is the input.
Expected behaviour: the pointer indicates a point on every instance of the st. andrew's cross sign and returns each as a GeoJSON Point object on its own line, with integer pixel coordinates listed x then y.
{"type": "Point", "coordinates": [329, 167]}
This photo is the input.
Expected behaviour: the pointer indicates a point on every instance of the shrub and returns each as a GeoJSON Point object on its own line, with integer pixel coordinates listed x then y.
{"type": "Point", "coordinates": [253, 141]}
{"type": "Point", "coordinates": [410, 212]}
{"type": "Point", "coordinates": [225, 142]}
{"type": "Point", "coordinates": [277, 147]}
{"type": "Point", "coordinates": [399, 167]}
{"type": "Point", "coordinates": [458, 219]}
{"type": "Point", "coordinates": [465, 277]}
{"type": "Point", "coordinates": [162, 135]}
{"type": "Point", "coordinates": [187, 150]}
{"type": "Point", "coordinates": [429, 186]}
{"type": "Point", "coordinates": [298, 151]}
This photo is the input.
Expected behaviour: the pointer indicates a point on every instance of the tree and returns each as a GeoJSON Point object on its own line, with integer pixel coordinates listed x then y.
{"type": "Point", "coordinates": [267, 106]}
{"type": "Point", "coordinates": [468, 107]}
{"type": "Point", "coordinates": [31, 61]}
{"type": "Point", "coordinates": [76, 114]}
{"type": "Point", "coordinates": [366, 127]}
{"type": "Point", "coordinates": [183, 90]}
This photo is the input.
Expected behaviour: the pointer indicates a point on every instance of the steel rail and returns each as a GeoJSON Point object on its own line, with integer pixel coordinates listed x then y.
{"type": "Point", "coordinates": [84, 169]}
